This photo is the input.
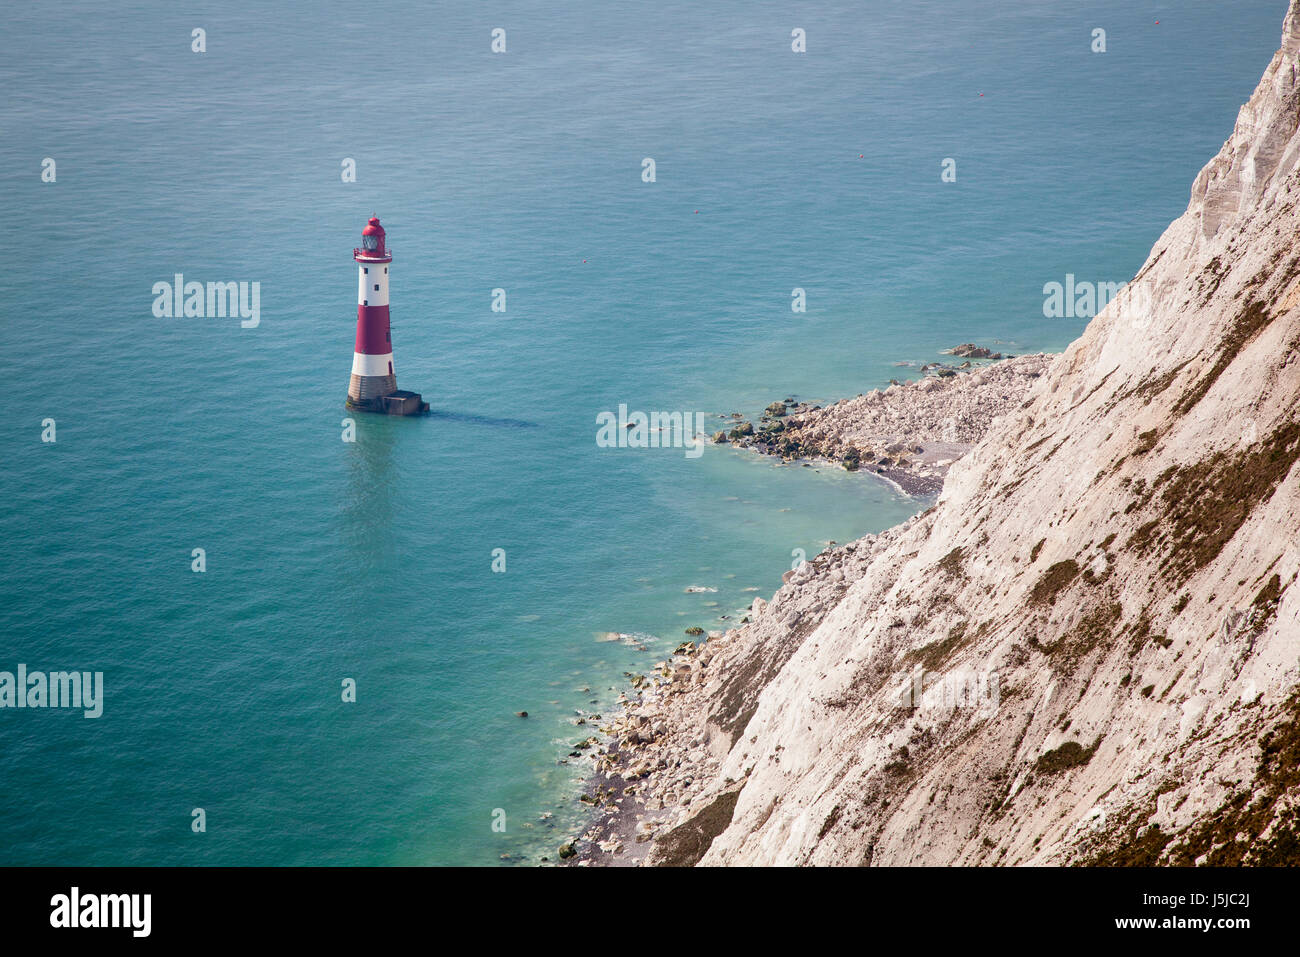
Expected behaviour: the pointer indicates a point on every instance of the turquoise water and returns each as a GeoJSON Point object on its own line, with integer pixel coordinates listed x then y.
{"type": "Point", "coordinates": [373, 560]}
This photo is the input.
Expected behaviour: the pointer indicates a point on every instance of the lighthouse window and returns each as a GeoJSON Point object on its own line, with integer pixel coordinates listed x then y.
{"type": "Point", "coordinates": [369, 242]}
{"type": "Point", "coordinates": [376, 287]}
{"type": "Point", "coordinates": [365, 269]}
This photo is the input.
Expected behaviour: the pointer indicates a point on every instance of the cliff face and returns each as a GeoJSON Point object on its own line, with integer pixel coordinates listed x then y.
{"type": "Point", "coordinates": [1113, 569]}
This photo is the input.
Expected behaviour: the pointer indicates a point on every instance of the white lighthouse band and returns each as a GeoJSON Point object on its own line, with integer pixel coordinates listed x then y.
{"type": "Point", "coordinates": [372, 284]}
{"type": "Point", "coordinates": [364, 365]}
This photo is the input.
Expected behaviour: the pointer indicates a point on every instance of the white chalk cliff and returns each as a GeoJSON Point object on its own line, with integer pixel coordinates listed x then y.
{"type": "Point", "coordinates": [1122, 551]}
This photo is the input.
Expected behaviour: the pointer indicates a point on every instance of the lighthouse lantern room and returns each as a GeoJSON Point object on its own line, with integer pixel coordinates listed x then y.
{"type": "Point", "coordinates": [373, 386]}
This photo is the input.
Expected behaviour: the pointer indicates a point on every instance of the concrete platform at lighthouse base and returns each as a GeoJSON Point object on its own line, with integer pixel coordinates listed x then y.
{"type": "Point", "coordinates": [400, 402]}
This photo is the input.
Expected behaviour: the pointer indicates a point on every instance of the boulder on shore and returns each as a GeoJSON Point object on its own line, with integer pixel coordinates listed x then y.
{"type": "Point", "coordinates": [968, 350]}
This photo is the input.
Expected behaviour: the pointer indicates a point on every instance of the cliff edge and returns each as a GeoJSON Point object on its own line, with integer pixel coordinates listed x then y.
{"type": "Point", "coordinates": [1088, 651]}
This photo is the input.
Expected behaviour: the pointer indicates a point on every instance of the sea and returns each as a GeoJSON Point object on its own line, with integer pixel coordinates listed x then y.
{"type": "Point", "coordinates": [315, 650]}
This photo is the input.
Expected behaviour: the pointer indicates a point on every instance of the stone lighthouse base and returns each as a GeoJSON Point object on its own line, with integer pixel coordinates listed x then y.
{"type": "Point", "coordinates": [399, 402]}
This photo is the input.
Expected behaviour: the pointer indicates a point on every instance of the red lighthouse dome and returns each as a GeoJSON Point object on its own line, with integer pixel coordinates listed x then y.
{"type": "Point", "coordinates": [373, 246]}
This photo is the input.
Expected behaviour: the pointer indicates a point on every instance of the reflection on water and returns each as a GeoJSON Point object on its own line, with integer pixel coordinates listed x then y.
{"type": "Point", "coordinates": [368, 504]}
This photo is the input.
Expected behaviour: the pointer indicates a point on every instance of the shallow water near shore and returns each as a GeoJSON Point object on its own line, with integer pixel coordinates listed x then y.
{"type": "Point", "coordinates": [374, 560]}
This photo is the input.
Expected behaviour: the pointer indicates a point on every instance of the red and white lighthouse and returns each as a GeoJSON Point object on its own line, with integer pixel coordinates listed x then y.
{"type": "Point", "coordinates": [373, 386]}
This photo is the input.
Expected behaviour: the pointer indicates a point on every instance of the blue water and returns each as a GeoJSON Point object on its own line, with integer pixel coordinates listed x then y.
{"type": "Point", "coordinates": [373, 560]}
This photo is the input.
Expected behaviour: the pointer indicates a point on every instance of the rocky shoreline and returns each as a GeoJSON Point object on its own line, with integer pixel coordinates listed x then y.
{"type": "Point", "coordinates": [908, 434]}
{"type": "Point", "coordinates": [644, 772]}
{"type": "Point", "coordinates": [663, 750]}
{"type": "Point", "coordinates": [671, 733]}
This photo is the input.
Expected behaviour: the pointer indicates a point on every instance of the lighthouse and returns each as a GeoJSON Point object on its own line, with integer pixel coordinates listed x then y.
{"type": "Point", "coordinates": [373, 386]}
